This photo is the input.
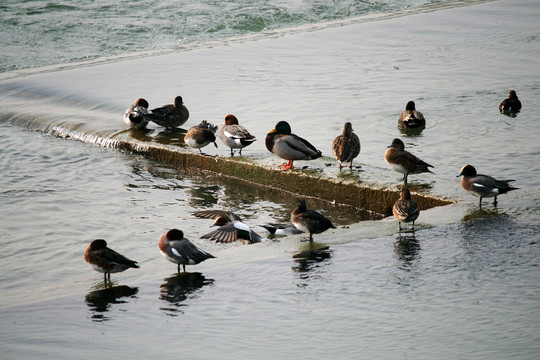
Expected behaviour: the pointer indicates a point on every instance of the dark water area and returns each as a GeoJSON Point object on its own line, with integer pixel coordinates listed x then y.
{"type": "Point", "coordinates": [464, 285]}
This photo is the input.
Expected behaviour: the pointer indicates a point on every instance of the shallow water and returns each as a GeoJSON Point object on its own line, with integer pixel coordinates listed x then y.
{"type": "Point", "coordinates": [464, 286]}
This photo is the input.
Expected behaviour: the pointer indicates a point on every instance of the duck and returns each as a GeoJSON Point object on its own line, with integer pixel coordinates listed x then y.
{"type": "Point", "coordinates": [403, 161]}
{"type": "Point", "coordinates": [201, 135]}
{"type": "Point", "coordinates": [511, 104]}
{"type": "Point", "coordinates": [230, 228]}
{"type": "Point", "coordinates": [411, 118]}
{"type": "Point", "coordinates": [134, 116]}
{"type": "Point", "coordinates": [309, 221]}
{"type": "Point", "coordinates": [406, 209]}
{"type": "Point", "coordinates": [284, 229]}
{"type": "Point", "coordinates": [234, 135]}
{"type": "Point", "coordinates": [179, 250]}
{"type": "Point", "coordinates": [288, 146]}
{"type": "Point", "coordinates": [483, 185]}
{"type": "Point", "coordinates": [170, 116]}
{"type": "Point", "coordinates": [106, 260]}
{"type": "Point", "coordinates": [346, 146]}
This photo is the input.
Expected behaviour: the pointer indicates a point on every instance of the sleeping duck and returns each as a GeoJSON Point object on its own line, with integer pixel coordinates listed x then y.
{"type": "Point", "coordinates": [134, 116]}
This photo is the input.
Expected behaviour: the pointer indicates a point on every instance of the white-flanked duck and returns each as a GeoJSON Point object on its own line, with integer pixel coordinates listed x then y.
{"type": "Point", "coordinates": [179, 250]}
{"type": "Point", "coordinates": [234, 135]}
{"type": "Point", "coordinates": [230, 227]}
{"type": "Point", "coordinates": [483, 185]}
{"type": "Point", "coordinates": [134, 116]}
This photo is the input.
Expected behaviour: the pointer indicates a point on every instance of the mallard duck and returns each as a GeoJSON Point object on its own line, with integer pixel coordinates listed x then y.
{"type": "Point", "coordinates": [230, 227]}
{"type": "Point", "coordinates": [483, 185]}
{"type": "Point", "coordinates": [170, 116]}
{"type": "Point", "coordinates": [288, 146]}
{"type": "Point", "coordinates": [405, 209]}
{"type": "Point", "coordinates": [346, 146]}
{"type": "Point", "coordinates": [234, 135]}
{"type": "Point", "coordinates": [179, 250]}
{"type": "Point", "coordinates": [105, 260]}
{"type": "Point", "coordinates": [411, 118]}
{"type": "Point", "coordinates": [309, 221]}
{"type": "Point", "coordinates": [134, 116]}
{"type": "Point", "coordinates": [512, 104]}
{"type": "Point", "coordinates": [403, 161]}
{"type": "Point", "coordinates": [201, 135]}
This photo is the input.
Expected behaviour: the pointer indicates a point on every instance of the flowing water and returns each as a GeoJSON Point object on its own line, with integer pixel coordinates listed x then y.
{"type": "Point", "coordinates": [464, 285]}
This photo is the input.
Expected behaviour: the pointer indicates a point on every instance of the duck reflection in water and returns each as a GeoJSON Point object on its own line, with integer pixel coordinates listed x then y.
{"type": "Point", "coordinates": [179, 287]}
{"type": "Point", "coordinates": [407, 250]}
{"type": "Point", "coordinates": [310, 261]}
{"type": "Point", "coordinates": [99, 300]}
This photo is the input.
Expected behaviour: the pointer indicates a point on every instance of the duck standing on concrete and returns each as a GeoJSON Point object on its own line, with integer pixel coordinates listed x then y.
{"type": "Point", "coordinates": [134, 116]}
{"type": "Point", "coordinates": [235, 135]}
{"type": "Point", "coordinates": [179, 250]}
{"type": "Point", "coordinates": [411, 118]}
{"type": "Point", "coordinates": [346, 146]}
{"type": "Point", "coordinates": [403, 161]}
{"type": "Point", "coordinates": [288, 146]}
{"type": "Point", "coordinates": [309, 221]}
{"type": "Point", "coordinates": [406, 209]}
{"type": "Point", "coordinates": [105, 260]}
{"type": "Point", "coordinates": [201, 135]}
{"type": "Point", "coordinates": [483, 185]}
{"type": "Point", "coordinates": [170, 116]}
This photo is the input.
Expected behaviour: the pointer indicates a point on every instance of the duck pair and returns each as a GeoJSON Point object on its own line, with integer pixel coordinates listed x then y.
{"type": "Point", "coordinates": [169, 116]}
{"type": "Point", "coordinates": [172, 245]}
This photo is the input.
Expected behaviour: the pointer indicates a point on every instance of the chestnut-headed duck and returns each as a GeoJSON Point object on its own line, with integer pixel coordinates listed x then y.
{"type": "Point", "coordinates": [105, 260]}
{"type": "Point", "coordinates": [134, 116]}
{"type": "Point", "coordinates": [179, 250]}
{"type": "Point", "coordinates": [483, 185]}
{"type": "Point", "coordinates": [406, 209]}
{"type": "Point", "coordinates": [170, 116]}
{"type": "Point", "coordinates": [288, 146]}
{"type": "Point", "coordinates": [235, 136]}
{"type": "Point", "coordinates": [411, 118]}
{"type": "Point", "coordinates": [310, 221]}
{"type": "Point", "coordinates": [403, 161]}
{"type": "Point", "coordinates": [201, 135]}
{"type": "Point", "coordinates": [346, 146]}
{"type": "Point", "coordinates": [511, 104]}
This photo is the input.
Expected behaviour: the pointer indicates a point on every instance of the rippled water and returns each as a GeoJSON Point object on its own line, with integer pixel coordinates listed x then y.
{"type": "Point", "coordinates": [37, 33]}
{"type": "Point", "coordinates": [464, 286]}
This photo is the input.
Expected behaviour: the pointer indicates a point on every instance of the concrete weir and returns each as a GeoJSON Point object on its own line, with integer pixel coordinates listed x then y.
{"type": "Point", "coordinates": [376, 201]}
